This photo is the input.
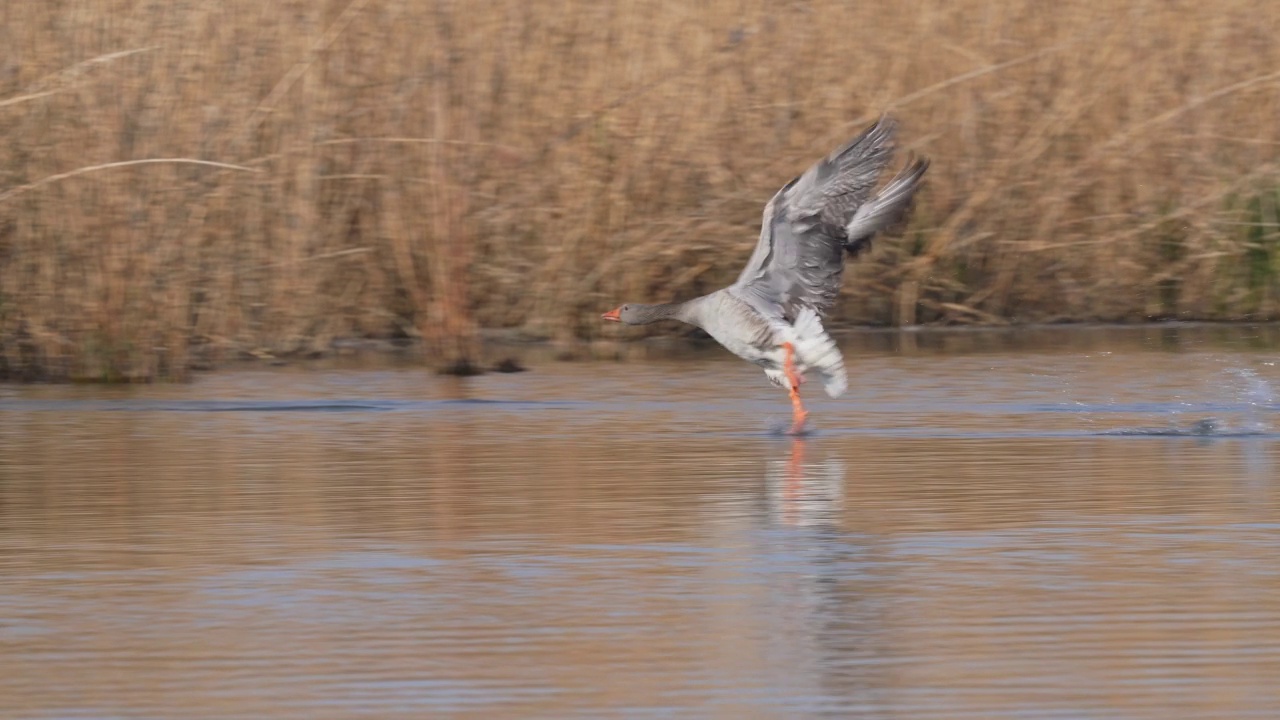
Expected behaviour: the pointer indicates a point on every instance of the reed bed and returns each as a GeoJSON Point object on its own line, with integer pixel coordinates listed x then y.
{"type": "Point", "coordinates": [182, 182]}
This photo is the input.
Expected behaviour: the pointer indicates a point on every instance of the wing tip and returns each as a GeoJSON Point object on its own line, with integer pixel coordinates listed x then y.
{"type": "Point", "coordinates": [878, 135]}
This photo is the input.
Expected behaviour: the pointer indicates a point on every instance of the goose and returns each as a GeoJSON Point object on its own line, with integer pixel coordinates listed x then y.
{"type": "Point", "coordinates": [772, 315]}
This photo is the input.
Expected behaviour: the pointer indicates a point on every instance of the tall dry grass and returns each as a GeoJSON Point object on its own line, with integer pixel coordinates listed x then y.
{"type": "Point", "coordinates": [179, 180]}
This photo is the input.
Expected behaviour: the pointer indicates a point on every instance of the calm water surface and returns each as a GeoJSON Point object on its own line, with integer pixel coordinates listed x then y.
{"type": "Point", "coordinates": [1037, 524]}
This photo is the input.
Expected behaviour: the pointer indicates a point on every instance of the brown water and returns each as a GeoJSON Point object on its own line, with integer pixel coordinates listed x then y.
{"type": "Point", "coordinates": [1051, 524]}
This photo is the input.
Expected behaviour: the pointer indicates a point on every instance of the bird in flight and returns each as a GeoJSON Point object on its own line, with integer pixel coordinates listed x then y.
{"type": "Point", "coordinates": [772, 315]}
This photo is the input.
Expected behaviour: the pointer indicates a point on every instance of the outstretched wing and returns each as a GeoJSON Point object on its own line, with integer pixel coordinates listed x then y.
{"type": "Point", "coordinates": [814, 219]}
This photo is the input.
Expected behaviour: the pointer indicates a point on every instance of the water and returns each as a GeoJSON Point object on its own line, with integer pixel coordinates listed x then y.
{"type": "Point", "coordinates": [1049, 524]}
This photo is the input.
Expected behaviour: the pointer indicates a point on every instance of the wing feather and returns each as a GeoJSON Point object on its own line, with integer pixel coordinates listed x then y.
{"type": "Point", "coordinates": [811, 221]}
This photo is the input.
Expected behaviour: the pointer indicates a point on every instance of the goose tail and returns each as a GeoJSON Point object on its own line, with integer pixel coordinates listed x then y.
{"type": "Point", "coordinates": [817, 351]}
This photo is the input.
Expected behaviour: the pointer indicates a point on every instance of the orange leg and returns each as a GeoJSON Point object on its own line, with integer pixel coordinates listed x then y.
{"type": "Point", "coordinates": [798, 413]}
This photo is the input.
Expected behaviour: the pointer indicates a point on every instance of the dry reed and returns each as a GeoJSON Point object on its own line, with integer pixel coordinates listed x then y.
{"type": "Point", "coordinates": [185, 180]}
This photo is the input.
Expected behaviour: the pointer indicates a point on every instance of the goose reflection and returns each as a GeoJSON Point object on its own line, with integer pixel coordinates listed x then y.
{"type": "Point", "coordinates": [829, 599]}
{"type": "Point", "coordinates": [801, 491]}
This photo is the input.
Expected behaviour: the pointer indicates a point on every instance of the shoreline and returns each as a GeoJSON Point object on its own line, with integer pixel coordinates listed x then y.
{"type": "Point", "coordinates": [514, 351]}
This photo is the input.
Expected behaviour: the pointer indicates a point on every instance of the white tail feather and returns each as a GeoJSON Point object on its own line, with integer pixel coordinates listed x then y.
{"type": "Point", "coordinates": [816, 350]}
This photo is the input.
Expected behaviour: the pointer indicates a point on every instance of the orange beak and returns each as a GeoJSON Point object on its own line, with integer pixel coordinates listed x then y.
{"type": "Point", "coordinates": [612, 315]}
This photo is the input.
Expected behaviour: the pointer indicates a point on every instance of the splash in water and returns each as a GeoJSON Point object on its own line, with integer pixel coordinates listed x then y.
{"type": "Point", "coordinates": [1258, 398]}
{"type": "Point", "coordinates": [1253, 400]}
